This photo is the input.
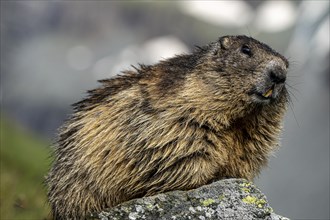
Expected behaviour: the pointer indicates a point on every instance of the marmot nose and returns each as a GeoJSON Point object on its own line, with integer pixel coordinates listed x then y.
{"type": "Point", "coordinates": [277, 75]}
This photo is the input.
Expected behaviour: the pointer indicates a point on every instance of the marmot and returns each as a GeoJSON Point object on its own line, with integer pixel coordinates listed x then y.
{"type": "Point", "coordinates": [176, 125]}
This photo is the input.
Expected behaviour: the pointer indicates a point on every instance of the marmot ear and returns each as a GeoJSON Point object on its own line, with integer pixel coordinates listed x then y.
{"type": "Point", "coordinates": [224, 42]}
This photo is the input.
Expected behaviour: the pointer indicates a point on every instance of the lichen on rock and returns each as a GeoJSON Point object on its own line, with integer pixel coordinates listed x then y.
{"type": "Point", "coordinates": [224, 199]}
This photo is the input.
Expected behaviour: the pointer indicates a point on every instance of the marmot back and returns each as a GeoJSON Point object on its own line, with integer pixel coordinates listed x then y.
{"type": "Point", "coordinates": [175, 125]}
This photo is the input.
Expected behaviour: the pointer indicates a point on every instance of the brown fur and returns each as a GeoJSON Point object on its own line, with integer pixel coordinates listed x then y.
{"type": "Point", "coordinates": [176, 125]}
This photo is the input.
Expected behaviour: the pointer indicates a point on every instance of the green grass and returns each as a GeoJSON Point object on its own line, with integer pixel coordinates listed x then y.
{"type": "Point", "coordinates": [24, 161]}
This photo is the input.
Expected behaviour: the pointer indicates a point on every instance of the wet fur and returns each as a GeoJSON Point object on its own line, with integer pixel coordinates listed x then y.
{"type": "Point", "coordinates": [176, 125]}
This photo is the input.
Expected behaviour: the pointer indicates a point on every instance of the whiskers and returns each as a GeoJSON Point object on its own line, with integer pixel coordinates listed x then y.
{"type": "Point", "coordinates": [291, 94]}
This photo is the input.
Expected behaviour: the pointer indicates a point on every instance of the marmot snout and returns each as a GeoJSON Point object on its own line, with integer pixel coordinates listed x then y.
{"type": "Point", "coordinates": [176, 125]}
{"type": "Point", "coordinates": [271, 87]}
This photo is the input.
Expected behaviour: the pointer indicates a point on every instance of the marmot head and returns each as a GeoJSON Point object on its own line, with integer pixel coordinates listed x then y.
{"type": "Point", "coordinates": [244, 71]}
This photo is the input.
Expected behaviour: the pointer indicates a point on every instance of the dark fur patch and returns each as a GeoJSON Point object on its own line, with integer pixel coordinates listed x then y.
{"type": "Point", "coordinates": [151, 174]}
{"type": "Point", "coordinates": [173, 71]}
{"type": "Point", "coordinates": [106, 154]}
{"type": "Point", "coordinates": [146, 105]}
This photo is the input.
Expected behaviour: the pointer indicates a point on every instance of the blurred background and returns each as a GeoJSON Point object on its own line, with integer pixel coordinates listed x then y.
{"type": "Point", "coordinates": [52, 52]}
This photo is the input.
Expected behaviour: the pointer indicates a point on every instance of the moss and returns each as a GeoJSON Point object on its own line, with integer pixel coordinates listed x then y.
{"type": "Point", "coordinates": [269, 210]}
{"type": "Point", "coordinates": [250, 200]}
{"type": "Point", "coordinates": [221, 197]}
{"type": "Point", "coordinates": [247, 190]}
{"type": "Point", "coordinates": [260, 203]}
{"type": "Point", "coordinates": [246, 184]}
{"type": "Point", "coordinates": [208, 202]}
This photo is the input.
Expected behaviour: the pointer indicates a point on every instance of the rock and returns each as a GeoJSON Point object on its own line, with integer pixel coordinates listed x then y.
{"type": "Point", "coordinates": [224, 199]}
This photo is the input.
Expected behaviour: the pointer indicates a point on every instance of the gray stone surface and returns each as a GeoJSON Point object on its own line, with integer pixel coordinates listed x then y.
{"type": "Point", "coordinates": [224, 199]}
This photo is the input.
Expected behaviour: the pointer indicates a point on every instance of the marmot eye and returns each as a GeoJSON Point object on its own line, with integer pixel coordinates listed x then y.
{"type": "Point", "coordinates": [246, 50]}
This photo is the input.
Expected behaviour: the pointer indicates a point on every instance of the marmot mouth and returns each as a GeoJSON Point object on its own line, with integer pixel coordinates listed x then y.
{"type": "Point", "coordinates": [267, 95]}
{"type": "Point", "coordinates": [261, 97]}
